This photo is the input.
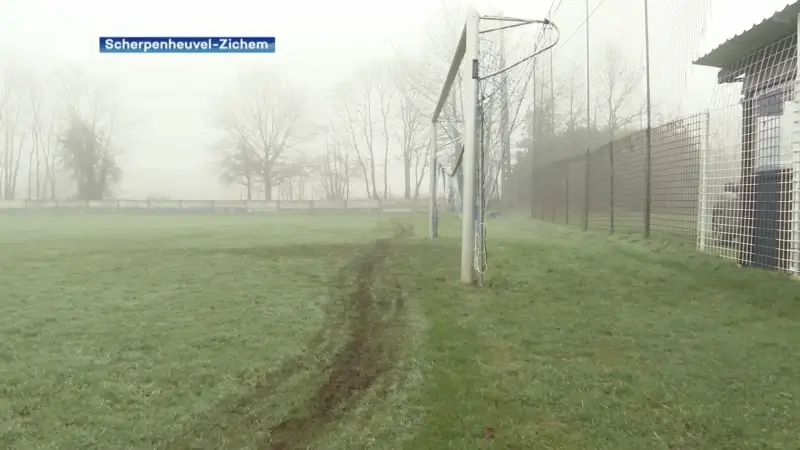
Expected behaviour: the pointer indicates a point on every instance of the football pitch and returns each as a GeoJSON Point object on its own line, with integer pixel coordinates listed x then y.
{"type": "Point", "coordinates": [329, 332]}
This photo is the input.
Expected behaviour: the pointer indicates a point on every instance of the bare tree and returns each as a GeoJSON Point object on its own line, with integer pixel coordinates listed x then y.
{"type": "Point", "coordinates": [359, 121]}
{"type": "Point", "coordinates": [618, 83]}
{"type": "Point", "coordinates": [385, 92]}
{"type": "Point", "coordinates": [264, 114]}
{"type": "Point", "coordinates": [336, 168]}
{"type": "Point", "coordinates": [574, 101]}
{"type": "Point", "coordinates": [409, 133]}
{"type": "Point", "coordinates": [294, 174]}
{"type": "Point", "coordinates": [11, 127]}
{"type": "Point", "coordinates": [42, 126]}
{"type": "Point", "coordinates": [363, 158]}
{"type": "Point", "coordinates": [420, 84]}
{"type": "Point", "coordinates": [48, 145]}
{"type": "Point", "coordinates": [239, 164]}
{"type": "Point", "coordinates": [33, 154]}
{"type": "Point", "coordinates": [425, 78]}
{"type": "Point", "coordinates": [42, 139]}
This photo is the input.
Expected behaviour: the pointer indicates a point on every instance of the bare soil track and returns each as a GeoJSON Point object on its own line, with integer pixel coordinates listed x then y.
{"type": "Point", "coordinates": [366, 304]}
{"type": "Point", "coordinates": [354, 368]}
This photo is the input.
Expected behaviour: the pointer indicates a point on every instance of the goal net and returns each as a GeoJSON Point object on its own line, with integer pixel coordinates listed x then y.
{"type": "Point", "coordinates": [481, 105]}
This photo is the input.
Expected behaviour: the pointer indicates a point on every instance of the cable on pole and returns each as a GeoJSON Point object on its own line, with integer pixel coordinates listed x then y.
{"type": "Point", "coordinates": [536, 53]}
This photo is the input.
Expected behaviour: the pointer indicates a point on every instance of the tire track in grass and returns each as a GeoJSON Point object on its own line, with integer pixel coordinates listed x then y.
{"type": "Point", "coordinates": [355, 367]}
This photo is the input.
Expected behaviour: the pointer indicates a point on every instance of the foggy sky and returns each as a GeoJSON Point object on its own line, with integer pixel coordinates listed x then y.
{"type": "Point", "coordinates": [170, 99]}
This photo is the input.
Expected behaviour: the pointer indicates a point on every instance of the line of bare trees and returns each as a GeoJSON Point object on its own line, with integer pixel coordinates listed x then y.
{"type": "Point", "coordinates": [270, 141]}
{"type": "Point", "coordinates": [277, 143]}
{"type": "Point", "coordinates": [60, 136]}
{"type": "Point", "coordinates": [557, 119]}
{"type": "Point", "coordinates": [55, 126]}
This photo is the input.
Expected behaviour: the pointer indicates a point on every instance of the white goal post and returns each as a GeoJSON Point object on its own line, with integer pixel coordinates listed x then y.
{"type": "Point", "coordinates": [466, 50]}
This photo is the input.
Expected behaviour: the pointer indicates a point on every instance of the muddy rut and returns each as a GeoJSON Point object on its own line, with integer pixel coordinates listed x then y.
{"type": "Point", "coordinates": [366, 305]}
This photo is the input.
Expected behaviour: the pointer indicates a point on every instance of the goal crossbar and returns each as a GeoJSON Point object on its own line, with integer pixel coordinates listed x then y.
{"type": "Point", "coordinates": [455, 64]}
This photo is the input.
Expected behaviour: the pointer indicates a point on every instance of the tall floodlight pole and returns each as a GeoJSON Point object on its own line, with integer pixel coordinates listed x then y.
{"type": "Point", "coordinates": [433, 213]}
{"type": "Point", "coordinates": [470, 148]}
{"type": "Point", "coordinates": [552, 99]}
{"type": "Point", "coordinates": [588, 85]}
{"type": "Point", "coordinates": [649, 146]}
{"type": "Point", "coordinates": [534, 136]}
{"type": "Point", "coordinates": [505, 138]}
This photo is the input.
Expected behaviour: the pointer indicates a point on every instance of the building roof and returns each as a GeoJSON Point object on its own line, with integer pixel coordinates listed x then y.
{"type": "Point", "coordinates": [780, 25]}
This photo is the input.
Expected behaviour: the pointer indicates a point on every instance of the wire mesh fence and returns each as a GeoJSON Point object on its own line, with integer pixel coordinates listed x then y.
{"type": "Point", "coordinates": [604, 188]}
{"type": "Point", "coordinates": [630, 147]}
{"type": "Point", "coordinates": [702, 187]}
{"type": "Point", "coordinates": [750, 207]}
{"type": "Point", "coordinates": [624, 137]}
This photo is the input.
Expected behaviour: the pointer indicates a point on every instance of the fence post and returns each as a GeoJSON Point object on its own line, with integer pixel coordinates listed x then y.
{"type": "Point", "coordinates": [533, 185]}
{"type": "Point", "coordinates": [648, 182]}
{"type": "Point", "coordinates": [648, 152]}
{"type": "Point", "coordinates": [586, 179]}
{"type": "Point", "coordinates": [566, 190]}
{"type": "Point", "coordinates": [547, 186]}
{"type": "Point", "coordinates": [542, 186]}
{"type": "Point", "coordinates": [534, 192]}
{"type": "Point", "coordinates": [554, 177]}
{"type": "Point", "coordinates": [611, 186]}
{"type": "Point", "coordinates": [702, 213]}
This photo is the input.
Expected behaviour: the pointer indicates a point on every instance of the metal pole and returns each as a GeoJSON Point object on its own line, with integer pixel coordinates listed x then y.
{"type": "Point", "coordinates": [470, 149]}
{"type": "Point", "coordinates": [552, 100]}
{"type": "Point", "coordinates": [648, 149]}
{"type": "Point", "coordinates": [566, 163]}
{"type": "Point", "coordinates": [433, 213]}
{"type": "Point", "coordinates": [796, 182]}
{"type": "Point", "coordinates": [586, 191]}
{"type": "Point", "coordinates": [611, 200]}
{"type": "Point", "coordinates": [534, 136]}
{"type": "Point", "coordinates": [505, 138]}
{"type": "Point", "coordinates": [703, 224]}
{"type": "Point", "coordinates": [587, 136]}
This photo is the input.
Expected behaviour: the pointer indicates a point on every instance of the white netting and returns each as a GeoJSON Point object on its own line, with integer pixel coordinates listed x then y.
{"type": "Point", "coordinates": [505, 67]}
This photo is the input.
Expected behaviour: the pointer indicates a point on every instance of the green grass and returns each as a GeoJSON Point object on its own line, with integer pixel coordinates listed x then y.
{"type": "Point", "coordinates": [232, 332]}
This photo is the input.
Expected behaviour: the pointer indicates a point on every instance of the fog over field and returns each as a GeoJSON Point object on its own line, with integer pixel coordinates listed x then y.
{"type": "Point", "coordinates": [172, 114]}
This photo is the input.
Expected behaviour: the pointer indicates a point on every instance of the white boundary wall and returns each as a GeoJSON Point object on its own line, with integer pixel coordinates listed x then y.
{"type": "Point", "coordinates": [214, 206]}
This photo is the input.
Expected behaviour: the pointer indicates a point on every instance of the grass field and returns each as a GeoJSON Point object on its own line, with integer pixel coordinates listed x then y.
{"type": "Point", "coordinates": [325, 332]}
